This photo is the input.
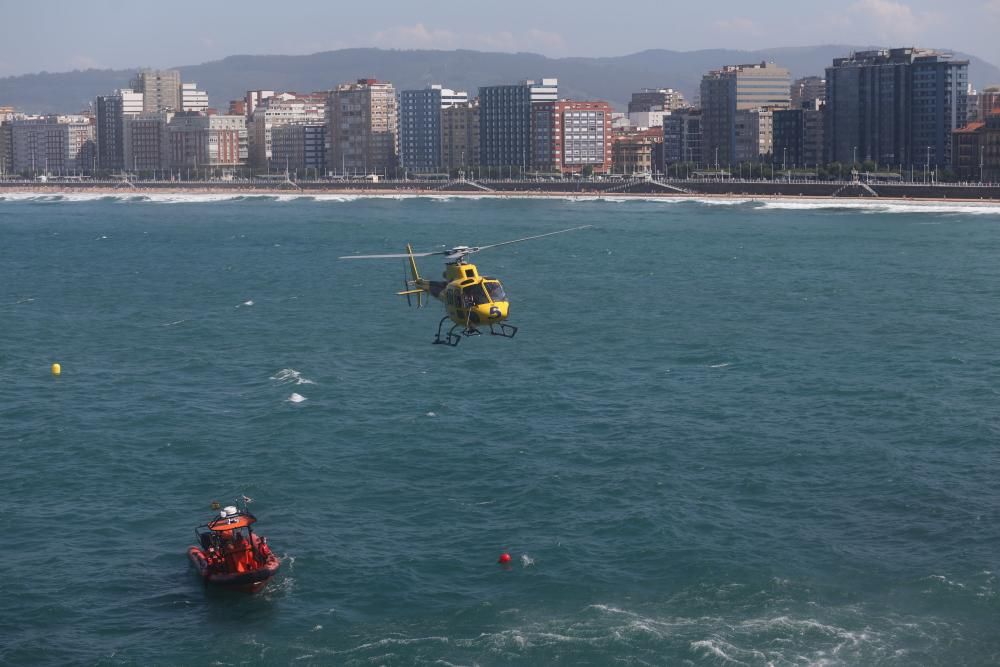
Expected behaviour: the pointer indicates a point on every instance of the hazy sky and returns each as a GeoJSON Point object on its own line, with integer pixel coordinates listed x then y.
{"type": "Point", "coordinates": [57, 35]}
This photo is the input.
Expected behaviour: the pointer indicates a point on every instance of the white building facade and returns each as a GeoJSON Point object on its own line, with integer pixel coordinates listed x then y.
{"type": "Point", "coordinates": [193, 99]}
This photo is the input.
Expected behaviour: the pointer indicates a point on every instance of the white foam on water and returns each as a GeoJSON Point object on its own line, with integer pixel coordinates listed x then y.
{"type": "Point", "coordinates": [336, 199]}
{"type": "Point", "coordinates": [190, 198]}
{"type": "Point", "coordinates": [280, 586]}
{"type": "Point", "coordinates": [729, 639]}
{"type": "Point", "coordinates": [151, 197]}
{"type": "Point", "coordinates": [431, 414]}
{"type": "Point", "coordinates": [28, 196]}
{"type": "Point", "coordinates": [946, 581]}
{"type": "Point", "coordinates": [880, 206]}
{"type": "Point", "coordinates": [394, 641]}
{"type": "Point", "coordinates": [211, 197]}
{"type": "Point", "coordinates": [288, 375]}
{"type": "Point", "coordinates": [20, 301]}
{"type": "Point", "coordinates": [296, 398]}
{"type": "Point", "coordinates": [723, 200]}
{"type": "Point", "coordinates": [248, 302]}
{"type": "Point", "coordinates": [170, 324]}
{"type": "Point", "coordinates": [721, 365]}
{"type": "Point", "coordinates": [714, 648]}
{"type": "Point", "coordinates": [760, 203]}
{"type": "Point", "coordinates": [526, 560]}
{"type": "Point", "coordinates": [781, 639]}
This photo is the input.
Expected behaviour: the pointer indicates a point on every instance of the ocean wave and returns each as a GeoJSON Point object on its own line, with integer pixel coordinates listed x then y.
{"type": "Point", "coordinates": [857, 637]}
{"type": "Point", "coordinates": [762, 203]}
{"type": "Point", "coordinates": [775, 639]}
{"type": "Point", "coordinates": [290, 375]}
{"type": "Point", "coordinates": [215, 197]}
{"type": "Point", "coordinates": [879, 206]}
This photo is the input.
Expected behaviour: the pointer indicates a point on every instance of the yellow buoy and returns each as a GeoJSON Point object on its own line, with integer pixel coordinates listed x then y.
{"type": "Point", "coordinates": [56, 369]}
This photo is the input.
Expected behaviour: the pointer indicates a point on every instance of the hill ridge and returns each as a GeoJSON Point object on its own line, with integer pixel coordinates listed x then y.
{"type": "Point", "coordinates": [611, 78]}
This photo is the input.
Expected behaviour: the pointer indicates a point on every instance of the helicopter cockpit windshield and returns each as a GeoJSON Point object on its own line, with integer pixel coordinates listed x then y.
{"type": "Point", "coordinates": [495, 290]}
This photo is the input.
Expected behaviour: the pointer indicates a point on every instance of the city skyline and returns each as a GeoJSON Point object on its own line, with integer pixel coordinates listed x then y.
{"type": "Point", "coordinates": [185, 33]}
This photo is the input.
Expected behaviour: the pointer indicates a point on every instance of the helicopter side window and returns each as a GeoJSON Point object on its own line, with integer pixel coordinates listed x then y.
{"type": "Point", "coordinates": [495, 290]}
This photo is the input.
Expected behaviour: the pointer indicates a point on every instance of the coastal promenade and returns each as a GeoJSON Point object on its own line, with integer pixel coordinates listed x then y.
{"type": "Point", "coordinates": [615, 187]}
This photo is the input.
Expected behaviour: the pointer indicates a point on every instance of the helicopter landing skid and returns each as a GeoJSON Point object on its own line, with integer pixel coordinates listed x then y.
{"type": "Point", "coordinates": [455, 334]}
{"type": "Point", "coordinates": [506, 330]}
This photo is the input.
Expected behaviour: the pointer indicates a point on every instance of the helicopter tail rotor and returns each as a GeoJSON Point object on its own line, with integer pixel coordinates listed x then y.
{"type": "Point", "coordinates": [411, 279]}
{"type": "Point", "coordinates": [406, 287]}
{"type": "Point", "coordinates": [415, 275]}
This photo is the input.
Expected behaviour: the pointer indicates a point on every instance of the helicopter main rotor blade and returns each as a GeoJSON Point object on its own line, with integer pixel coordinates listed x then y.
{"type": "Point", "coordinates": [529, 238]}
{"type": "Point", "coordinates": [396, 256]}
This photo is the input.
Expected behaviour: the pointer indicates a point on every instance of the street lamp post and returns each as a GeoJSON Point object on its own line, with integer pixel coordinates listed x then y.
{"type": "Point", "coordinates": [980, 164]}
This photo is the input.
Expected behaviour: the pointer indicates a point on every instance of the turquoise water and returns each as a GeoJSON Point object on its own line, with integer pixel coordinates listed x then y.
{"type": "Point", "coordinates": [725, 434]}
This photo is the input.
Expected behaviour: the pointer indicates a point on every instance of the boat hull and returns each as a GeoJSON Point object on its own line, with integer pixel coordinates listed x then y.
{"type": "Point", "coordinates": [250, 581]}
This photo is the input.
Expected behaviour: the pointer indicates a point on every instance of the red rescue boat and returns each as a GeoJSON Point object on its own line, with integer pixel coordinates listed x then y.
{"type": "Point", "coordinates": [230, 554]}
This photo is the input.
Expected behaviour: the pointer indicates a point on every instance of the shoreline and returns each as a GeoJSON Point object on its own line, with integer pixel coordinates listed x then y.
{"type": "Point", "coordinates": [61, 190]}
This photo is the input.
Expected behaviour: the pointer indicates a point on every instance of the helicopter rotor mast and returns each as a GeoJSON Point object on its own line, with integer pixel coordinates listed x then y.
{"type": "Point", "coordinates": [458, 253]}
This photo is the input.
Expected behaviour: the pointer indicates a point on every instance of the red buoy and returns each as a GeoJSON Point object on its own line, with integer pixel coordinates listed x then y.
{"type": "Point", "coordinates": [504, 559]}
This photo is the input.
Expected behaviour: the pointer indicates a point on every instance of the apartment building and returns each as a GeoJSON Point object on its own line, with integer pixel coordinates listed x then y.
{"type": "Point", "coordinates": [505, 136]}
{"type": "Point", "coordinates": [57, 145]}
{"type": "Point", "coordinates": [362, 128]}
{"type": "Point", "coordinates": [420, 130]}
{"type": "Point", "coordinates": [735, 88]}
{"type": "Point", "coordinates": [895, 106]}
{"type": "Point", "coordinates": [570, 136]}
{"type": "Point", "coordinates": [460, 136]}
{"type": "Point", "coordinates": [160, 89]}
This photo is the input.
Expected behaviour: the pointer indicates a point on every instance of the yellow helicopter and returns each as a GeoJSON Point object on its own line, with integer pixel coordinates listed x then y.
{"type": "Point", "coordinates": [471, 300]}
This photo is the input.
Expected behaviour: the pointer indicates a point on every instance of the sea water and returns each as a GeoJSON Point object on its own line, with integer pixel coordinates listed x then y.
{"type": "Point", "coordinates": [761, 433]}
